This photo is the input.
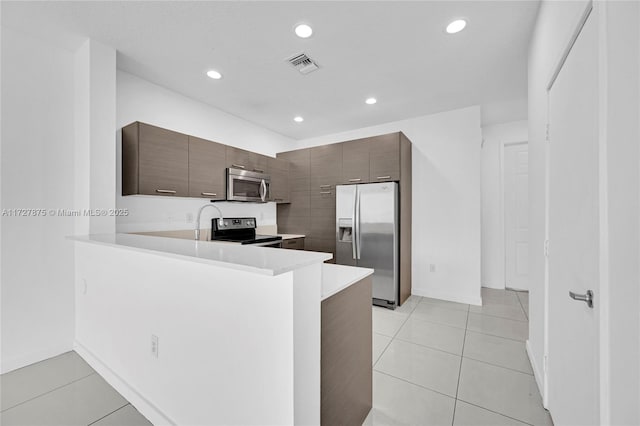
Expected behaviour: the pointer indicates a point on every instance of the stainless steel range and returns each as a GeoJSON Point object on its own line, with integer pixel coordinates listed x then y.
{"type": "Point", "coordinates": [241, 230]}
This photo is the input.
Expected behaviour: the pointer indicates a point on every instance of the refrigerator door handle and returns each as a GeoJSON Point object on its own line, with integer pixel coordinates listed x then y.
{"type": "Point", "coordinates": [356, 237]}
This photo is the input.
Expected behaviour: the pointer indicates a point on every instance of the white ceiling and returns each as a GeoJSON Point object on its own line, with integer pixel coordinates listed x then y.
{"type": "Point", "coordinates": [396, 51]}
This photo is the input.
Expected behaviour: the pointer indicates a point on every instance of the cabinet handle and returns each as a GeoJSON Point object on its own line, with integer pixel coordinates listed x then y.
{"type": "Point", "coordinates": [325, 186]}
{"type": "Point", "coordinates": [325, 192]}
{"type": "Point", "coordinates": [384, 177]}
{"type": "Point", "coordinates": [165, 191]}
{"type": "Point", "coordinates": [355, 180]}
{"type": "Point", "coordinates": [258, 170]}
{"type": "Point", "coordinates": [238, 166]}
{"type": "Point", "coordinates": [209, 194]}
{"type": "Point", "coordinates": [278, 199]}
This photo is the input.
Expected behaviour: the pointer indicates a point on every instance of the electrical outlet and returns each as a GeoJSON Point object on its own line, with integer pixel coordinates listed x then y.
{"type": "Point", "coordinates": [84, 286]}
{"type": "Point", "coordinates": [189, 217]}
{"type": "Point", "coordinates": [154, 345]}
{"type": "Point", "coordinates": [432, 267]}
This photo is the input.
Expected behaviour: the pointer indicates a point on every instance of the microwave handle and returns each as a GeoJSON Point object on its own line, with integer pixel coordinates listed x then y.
{"type": "Point", "coordinates": [263, 190]}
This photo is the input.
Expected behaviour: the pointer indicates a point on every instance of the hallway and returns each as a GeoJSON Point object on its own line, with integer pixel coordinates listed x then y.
{"type": "Point", "coordinates": [442, 363]}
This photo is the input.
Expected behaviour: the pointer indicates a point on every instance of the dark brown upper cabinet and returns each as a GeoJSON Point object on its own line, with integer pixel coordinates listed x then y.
{"type": "Point", "coordinates": [207, 169]}
{"type": "Point", "coordinates": [326, 167]}
{"type": "Point", "coordinates": [239, 158]}
{"type": "Point", "coordinates": [246, 160]}
{"type": "Point", "coordinates": [155, 161]}
{"type": "Point", "coordinates": [261, 163]}
{"type": "Point", "coordinates": [278, 169]}
{"type": "Point", "coordinates": [355, 161]}
{"type": "Point", "coordinates": [384, 156]}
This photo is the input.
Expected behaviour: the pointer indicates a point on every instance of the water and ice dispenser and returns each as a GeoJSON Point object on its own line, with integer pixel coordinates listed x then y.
{"type": "Point", "coordinates": [345, 230]}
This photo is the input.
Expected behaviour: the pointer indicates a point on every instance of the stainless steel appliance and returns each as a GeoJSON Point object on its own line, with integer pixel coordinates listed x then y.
{"type": "Point", "coordinates": [367, 235]}
{"type": "Point", "coordinates": [243, 185]}
{"type": "Point", "coordinates": [241, 230]}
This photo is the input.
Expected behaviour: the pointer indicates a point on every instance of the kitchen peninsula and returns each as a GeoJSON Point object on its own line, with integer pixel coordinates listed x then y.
{"type": "Point", "coordinates": [200, 332]}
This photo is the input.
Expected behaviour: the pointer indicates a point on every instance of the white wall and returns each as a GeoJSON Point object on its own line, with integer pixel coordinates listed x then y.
{"type": "Point", "coordinates": [95, 154]}
{"type": "Point", "coordinates": [446, 199]}
{"type": "Point", "coordinates": [494, 137]}
{"type": "Point", "coordinates": [37, 172]}
{"type": "Point", "coordinates": [140, 100]}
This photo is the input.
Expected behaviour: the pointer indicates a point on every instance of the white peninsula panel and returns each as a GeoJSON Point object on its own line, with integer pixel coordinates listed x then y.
{"type": "Point", "coordinates": [236, 344]}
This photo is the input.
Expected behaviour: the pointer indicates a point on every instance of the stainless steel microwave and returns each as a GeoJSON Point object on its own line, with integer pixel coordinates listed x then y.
{"type": "Point", "coordinates": [243, 185]}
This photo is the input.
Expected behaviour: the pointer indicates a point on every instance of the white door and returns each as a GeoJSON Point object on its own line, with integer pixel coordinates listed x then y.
{"type": "Point", "coordinates": [516, 215]}
{"type": "Point", "coordinates": [574, 255]}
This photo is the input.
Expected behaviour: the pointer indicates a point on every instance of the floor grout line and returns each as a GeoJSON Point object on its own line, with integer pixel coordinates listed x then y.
{"type": "Point", "coordinates": [496, 335]}
{"type": "Point", "coordinates": [464, 340]}
{"type": "Point", "coordinates": [107, 415]}
{"type": "Point", "coordinates": [504, 318]}
{"type": "Point", "coordinates": [522, 307]}
{"type": "Point", "coordinates": [430, 347]}
{"type": "Point", "coordinates": [392, 337]}
{"type": "Point", "coordinates": [48, 392]}
{"type": "Point", "coordinates": [439, 323]}
{"type": "Point", "coordinates": [496, 412]}
{"type": "Point", "coordinates": [415, 384]}
{"type": "Point", "coordinates": [496, 365]}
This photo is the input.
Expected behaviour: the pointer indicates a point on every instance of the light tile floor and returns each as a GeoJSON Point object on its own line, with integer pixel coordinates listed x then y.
{"type": "Point", "coordinates": [435, 363]}
{"type": "Point", "coordinates": [64, 391]}
{"type": "Point", "coordinates": [444, 363]}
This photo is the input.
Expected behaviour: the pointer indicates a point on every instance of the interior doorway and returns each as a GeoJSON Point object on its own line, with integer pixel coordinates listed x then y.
{"type": "Point", "coordinates": [516, 215]}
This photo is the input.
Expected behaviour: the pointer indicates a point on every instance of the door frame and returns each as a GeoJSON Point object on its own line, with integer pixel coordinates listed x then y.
{"type": "Point", "coordinates": [599, 12]}
{"type": "Point", "coordinates": [503, 241]}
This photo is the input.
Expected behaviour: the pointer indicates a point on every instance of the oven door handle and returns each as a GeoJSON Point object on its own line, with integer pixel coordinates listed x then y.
{"type": "Point", "coordinates": [263, 190]}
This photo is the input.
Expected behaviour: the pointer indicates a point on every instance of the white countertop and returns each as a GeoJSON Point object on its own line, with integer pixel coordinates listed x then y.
{"type": "Point", "coordinates": [259, 260]}
{"type": "Point", "coordinates": [338, 277]}
{"type": "Point", "coordinates": [289, 236]}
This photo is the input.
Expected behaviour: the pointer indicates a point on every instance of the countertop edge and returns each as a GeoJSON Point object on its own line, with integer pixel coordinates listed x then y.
{"type": "Point", "coordinates": [223, 264]}
{"type": "Point", "coordinates": [364, 273]}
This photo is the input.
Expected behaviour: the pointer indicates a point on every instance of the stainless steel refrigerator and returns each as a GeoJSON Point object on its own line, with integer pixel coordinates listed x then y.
{"type": "Point", "coordinates": [367, 235]}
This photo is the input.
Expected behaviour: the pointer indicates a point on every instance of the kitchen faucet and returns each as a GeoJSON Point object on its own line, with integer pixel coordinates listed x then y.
{"type": "Point", "coordinates": [198, 218]}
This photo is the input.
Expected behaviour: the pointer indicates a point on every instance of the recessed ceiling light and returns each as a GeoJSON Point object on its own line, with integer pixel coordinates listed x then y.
{"type": "Point", "coordinates": [214, 74]}
{"type": "Point", "coordinates": [298, 119]}
{"type": "Point", "coordinates": [371, 101]}
{"type": "Point", "coordinates": [456, 26]}
{"type": "Point", "coordinates": [303, 31]}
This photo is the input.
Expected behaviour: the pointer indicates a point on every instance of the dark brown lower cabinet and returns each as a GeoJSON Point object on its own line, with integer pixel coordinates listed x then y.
{"type": "Point", "coordinates": [345, 360]}
{"type": "Point", "coordinates": [293, 243]}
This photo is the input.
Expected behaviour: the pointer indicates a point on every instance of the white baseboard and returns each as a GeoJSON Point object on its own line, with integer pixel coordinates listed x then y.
{"type": "Point", "coordinates": [536, 370]}
{"type": "Point", "coordinates": [22, 361]}
{"type": "Point", "coordinates": [451, 297]}
{"type": "Point", "coordinates": [494, 286]}
{"type": "Point", "coordinates": [143, 405]}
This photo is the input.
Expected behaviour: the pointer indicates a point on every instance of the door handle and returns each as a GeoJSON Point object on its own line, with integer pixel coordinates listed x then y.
{"type": "Point", "coordinates": [263, 190]}
{"type": "Point", "coordinates": [587, 298]}
{"type": "Point", "coordinates": [354, 227]}
{"type": "Point", "coordinates": [357, 219]}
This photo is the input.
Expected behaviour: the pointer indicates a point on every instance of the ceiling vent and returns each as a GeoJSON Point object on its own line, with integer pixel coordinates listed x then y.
{"type": "Point", "coordinates": [303, 63]}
